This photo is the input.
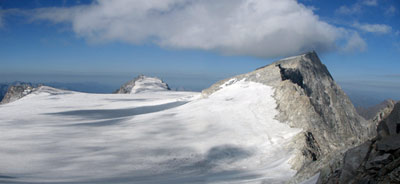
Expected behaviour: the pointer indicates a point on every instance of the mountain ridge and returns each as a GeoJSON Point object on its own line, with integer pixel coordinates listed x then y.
{"type": "Point", "coordinates": [309, 98]}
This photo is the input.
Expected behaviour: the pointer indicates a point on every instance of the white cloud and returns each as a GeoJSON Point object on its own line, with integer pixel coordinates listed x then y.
{"type": "Point", "coordinates": [374, 28]}
{"type": "Point", "coordinates": [370, 2]}
{"type": "Point", "coordinates": [355, 43]}
{"type": "Point", "coordinates": [354, 9]}
{"type": "Point", "coordinates": [262, 28]}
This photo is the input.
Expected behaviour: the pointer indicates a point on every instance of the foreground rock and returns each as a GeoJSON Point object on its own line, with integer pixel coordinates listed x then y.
{"type": "Point", "coordinates": [141, 84]}
{"type": "Point", "coordinates": [376, 161]}
{"type": "Point", "coordinates": [310, 99]}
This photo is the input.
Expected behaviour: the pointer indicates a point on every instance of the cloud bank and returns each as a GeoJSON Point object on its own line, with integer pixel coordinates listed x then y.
{"type": "Point", "coordinates": [261, 28]}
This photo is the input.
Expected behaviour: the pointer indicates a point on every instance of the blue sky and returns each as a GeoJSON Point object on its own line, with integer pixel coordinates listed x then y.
{"type": "Point", "coordinates": [193, 44]}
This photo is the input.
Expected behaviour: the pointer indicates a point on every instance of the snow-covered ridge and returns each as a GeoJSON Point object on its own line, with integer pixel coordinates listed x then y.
{"type": "Point", "coordinates": [143, 84]}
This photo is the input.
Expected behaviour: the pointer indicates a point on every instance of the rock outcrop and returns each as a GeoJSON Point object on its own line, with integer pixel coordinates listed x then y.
{"type": "Point", "coordinates": [17, 91]}
{"type": "Point", "coordinates": [375, 161]}
{"type": "Point", "coordinates": [141, 84]}
{"type": "Point", "coordinates": [309, 98]}
{"type": "Point", "coordinates": [5, 86]}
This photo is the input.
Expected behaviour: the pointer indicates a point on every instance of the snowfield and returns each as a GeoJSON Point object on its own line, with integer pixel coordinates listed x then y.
{"type": "Point", "coordinates": [56, 136]}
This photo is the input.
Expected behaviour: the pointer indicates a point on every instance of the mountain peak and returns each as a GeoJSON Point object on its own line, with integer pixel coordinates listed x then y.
{"type": "Point", "coordinates": [307, 97]}
{"type": "Point", "coordinates": [143, 83]}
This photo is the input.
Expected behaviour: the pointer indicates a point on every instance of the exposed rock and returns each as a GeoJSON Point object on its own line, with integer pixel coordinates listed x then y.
{"type": "Point", "coordinates": [382, 159]}
{"type": "Point", "coordinates": [5, 86]}
{"type": "Point", "coordinates": [143, 83]}
{"type": "Point", "coordinates": [17, 92]}
{"type": "Point", "coordinates": [382, 163]}
{"type": "Point", "coordinates": [309, 98]}
{"type": "Point", "coordinates": [389, 143]}
{"type": "Point", "coordinates": [391, 124]}
{"type": "Point", "coordinates": [352, 160]}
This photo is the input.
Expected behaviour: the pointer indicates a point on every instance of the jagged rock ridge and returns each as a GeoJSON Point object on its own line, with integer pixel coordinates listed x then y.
{"type": "Point", "coordinates": [309, 98]}
{"type": "Point", "coordinates": [143, 83]}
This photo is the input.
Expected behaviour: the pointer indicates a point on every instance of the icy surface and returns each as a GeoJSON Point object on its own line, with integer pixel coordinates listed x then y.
{"type": "Point", "coordinates": [231, 136]}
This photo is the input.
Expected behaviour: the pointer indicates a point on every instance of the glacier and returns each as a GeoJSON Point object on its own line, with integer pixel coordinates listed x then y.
{"type": "Point", "coordinates": [231, 136]}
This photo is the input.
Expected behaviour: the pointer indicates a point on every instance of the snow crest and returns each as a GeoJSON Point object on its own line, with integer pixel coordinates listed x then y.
{"type": "Point", "coordinates": [143, 84]}
{"type": "Point", "coordinates": [149, 84]}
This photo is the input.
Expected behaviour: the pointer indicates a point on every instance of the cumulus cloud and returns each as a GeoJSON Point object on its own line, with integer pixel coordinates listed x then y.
{"type": "Point", "coordinates": [374, 28]}
{"type": "Point", "coordinates": [261, 28]}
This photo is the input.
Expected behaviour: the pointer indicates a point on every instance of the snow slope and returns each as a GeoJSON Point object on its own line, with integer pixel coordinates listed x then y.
{"type": "Point", "coordinates": [143, 84]}
{"type": "Point", "coordinates": [149, 84]}
{"type": "Point", "coordinates": [232, 136]}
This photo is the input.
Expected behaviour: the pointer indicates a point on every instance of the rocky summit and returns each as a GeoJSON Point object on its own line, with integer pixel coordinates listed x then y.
{"type": "Point", "coordinates": [142, 84]}
{"type": "Point", "coordinates": [308, 98]}
{"type": "Point", "coordinates": [17, 91]}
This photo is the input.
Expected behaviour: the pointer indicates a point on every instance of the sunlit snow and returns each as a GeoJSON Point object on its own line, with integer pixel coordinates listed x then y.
{"type": "Point", "coordinates": [60, 136]}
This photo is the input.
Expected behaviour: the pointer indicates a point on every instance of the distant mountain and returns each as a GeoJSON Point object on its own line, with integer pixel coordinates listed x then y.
{"type": "Point", "coordinates": [384, 107]}
{"type": "Point", "coordinates": [87, 87]}
{"type": "Point", "coordinates": [142, 84]}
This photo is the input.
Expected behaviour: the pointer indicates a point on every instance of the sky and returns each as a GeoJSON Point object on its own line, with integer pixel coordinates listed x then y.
{"type": "Point", "coordinates": [193, 43]}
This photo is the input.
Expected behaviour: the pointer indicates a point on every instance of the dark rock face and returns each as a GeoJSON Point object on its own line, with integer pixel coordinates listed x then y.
{"type": "Point", "coordinates": [307, 97]}
{"type": "Point", "coordinates": [352, 160]}
{"type": "Point", "coordinates": [380, 164]}
{"type": "Point", "coordinates": [312, 150]}
{"type": "Point", "coordinates": [16, 92]}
